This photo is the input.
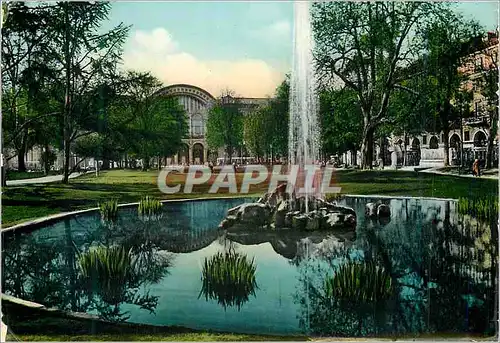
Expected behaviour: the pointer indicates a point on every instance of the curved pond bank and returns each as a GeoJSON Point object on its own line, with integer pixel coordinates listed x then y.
{"type": "Point", "coordinates": [441, 263]}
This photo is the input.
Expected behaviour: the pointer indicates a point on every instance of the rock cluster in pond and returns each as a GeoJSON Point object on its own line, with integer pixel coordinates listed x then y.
{"type": "Point", "coordinates": [279, 209]}
{"type": "Point", "coordinates": [377, 209]}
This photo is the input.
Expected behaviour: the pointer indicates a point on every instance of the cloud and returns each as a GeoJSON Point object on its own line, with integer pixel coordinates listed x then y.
{"type": "Point", "coordinates": [278, 31]}
{"type": "Point", "coordinates": [156, 51]}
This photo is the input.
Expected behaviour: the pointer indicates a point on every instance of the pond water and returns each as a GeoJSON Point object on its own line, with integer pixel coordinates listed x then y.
{"type": "Point", "coordinates": [442, 264]}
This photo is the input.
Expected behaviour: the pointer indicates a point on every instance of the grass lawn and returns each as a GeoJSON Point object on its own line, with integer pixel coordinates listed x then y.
{"type": "Point", "coordinates": [21, 203]}
{"type": "Point", "coordinates": [15, 175]}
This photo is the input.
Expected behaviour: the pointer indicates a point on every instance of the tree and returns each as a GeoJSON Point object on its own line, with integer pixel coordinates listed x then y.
{"type": "Point", "coordinates": [279, 117]}
{"type": "Point", "coordinates": [225, 124]}
{"type": "Point", "coordinates": [87, 60]}
{"type": "Point", "coordinates": [364, 46]}
{"type": "Point", "coordinates": [488, 84]}
{"type": "Point", "coordinates": [25, 66]}
{"type": "Point", "coordinates": [341, 121]}
{"type": "Point", "coordinates": [255, 130]}
{"type": "Point", "coordinates": [153, 124]}
{"type": "Point", "coordinates": [448, 42]}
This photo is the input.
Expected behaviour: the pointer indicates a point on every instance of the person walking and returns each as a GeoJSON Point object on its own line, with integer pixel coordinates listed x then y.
{"type": "Point", "coordinates": [475, 168]}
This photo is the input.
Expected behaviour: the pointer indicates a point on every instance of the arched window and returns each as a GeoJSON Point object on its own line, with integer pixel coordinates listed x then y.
{"type": "Point", "coordinates": [455, 141]}
{"type": "Point", "coordinates": [197, 128]}
{"type": "Point", "coordinates": [479, 139]}
{"type": "Point", "coordinates": [433, 143]}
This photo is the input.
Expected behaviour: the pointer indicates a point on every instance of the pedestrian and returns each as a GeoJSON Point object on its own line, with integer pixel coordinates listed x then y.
{"type": "Point", "coordinates": [475, 168]}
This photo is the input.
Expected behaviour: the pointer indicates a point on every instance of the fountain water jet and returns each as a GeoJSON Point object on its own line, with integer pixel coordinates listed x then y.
{"type": "Point", "coordinates": [303, 136]}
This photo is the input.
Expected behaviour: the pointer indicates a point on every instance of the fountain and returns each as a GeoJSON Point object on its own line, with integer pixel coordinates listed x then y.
{"type": "Point", "coordinates": [303, 136]}
{"type": "Point", "coordinates": [301, 208]}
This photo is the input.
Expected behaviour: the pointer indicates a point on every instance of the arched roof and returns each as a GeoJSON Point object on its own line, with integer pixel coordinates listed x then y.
{"type": "Point", "coordinates": [185, 89]}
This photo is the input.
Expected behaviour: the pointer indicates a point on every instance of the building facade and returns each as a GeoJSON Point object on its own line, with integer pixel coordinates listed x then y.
{"type": "Point", "coordinates": [467, 140]}
{"type": "Point", "coordinates": [196, 102]}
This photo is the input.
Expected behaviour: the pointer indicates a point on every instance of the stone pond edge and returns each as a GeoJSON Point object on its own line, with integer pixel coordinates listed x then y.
{"type": "Point", "coordinates": [81, 315]}
{"type": "Point", "coordinates": [52, 217]}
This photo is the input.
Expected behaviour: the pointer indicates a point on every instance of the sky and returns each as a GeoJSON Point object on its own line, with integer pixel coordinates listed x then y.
{"type": "Point", "coordinates": [243, 46]}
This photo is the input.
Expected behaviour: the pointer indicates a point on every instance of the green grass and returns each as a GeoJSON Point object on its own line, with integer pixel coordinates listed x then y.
{"type": "Point", "coordinates": [21, 203]}
{"type": "Point", "coordinates": [15, 175]}
{"type": "Point", "coordinates": [51, 328]}
{"type": "Point", "coordinates": [184, 337]}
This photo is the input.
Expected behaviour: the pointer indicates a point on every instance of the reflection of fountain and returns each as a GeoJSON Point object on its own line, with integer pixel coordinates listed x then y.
{"type": "Point", "coordinates": [303, 142]}
{"type": "Point", "coordinates": [293, 244]}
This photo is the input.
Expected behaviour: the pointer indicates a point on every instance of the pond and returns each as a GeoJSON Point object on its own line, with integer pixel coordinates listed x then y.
{"type": "Point", "coordinates": [441, 264]}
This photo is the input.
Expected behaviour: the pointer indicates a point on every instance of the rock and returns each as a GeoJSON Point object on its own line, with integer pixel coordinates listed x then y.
{"type": "Point", "coordinates": [299, 222]}
{"type": "Point", "coordinates": [337, 208]}
{"type": "Point", "coordinates": [350, 220]}
{"type": "Point", "coordinates": [280, 215]}
{"type": "Point", "coordinates": [313, 223]}
{"type": "Point", "coordinates": [254, 214]}
{"type": "Point", "coordinates": [224, 224]}
{"type": "Point", "coordinates": [383, 210]}
{"type": "Point", "coordinates": [233, 211]}
{"type": "Point", "coordinates": [334, 220]}
{"type": "Point", "coordinates": [371, 209]}
{"type": "Point", "coordinates": [281, 210]}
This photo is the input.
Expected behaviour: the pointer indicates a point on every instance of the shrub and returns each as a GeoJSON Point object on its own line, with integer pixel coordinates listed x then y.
{"type": "Point", "coordinates": [359, 283]}
{"type": "Point", "coordinates": [228, 278]}
{"type": "Point", "coordinates": [481, 208]}
{"type": "Point", "coordinates": [150, 207]}
{"type": "Point", "coordinates": [109, 210]}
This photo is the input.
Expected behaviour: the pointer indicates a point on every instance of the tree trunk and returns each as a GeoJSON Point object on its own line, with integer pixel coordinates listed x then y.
{"type": "Point", "coordinates": [46, 159]}
{"type": "Point", "coordinates": [230, 154]}
{"type": "Point", "coordinates": [67, 100]}
{"type": "Point", "coordinates": [65, 179]}
{"type": "Point", "coordinates": [126, 161]}
{"type": "Point", "coordinates": [446, 134]}
{"type": "Point", "coordinates": [145, 163]}
{"type": "Point", "coordinates": [105, 164]}
{"type": "Point", "coordinates": [354, 157]}
{"type": "Point", "coordinates": [405, 151]}
{"type": "Point", "coordinates": [21, 153]}
{"type": "Point", "coordinates": [4, 176]}
{"type": "Point", "coordinates": [367, 150]}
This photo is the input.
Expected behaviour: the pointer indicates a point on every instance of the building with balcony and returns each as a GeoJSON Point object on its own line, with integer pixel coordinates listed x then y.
{"type": "Point", "coordinates": [468, 136]}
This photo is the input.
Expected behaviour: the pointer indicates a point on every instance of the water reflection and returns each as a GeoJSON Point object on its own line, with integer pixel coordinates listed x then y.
{"type": "Point", "coordinates": [442, 268]}
{"type": "Point", "coordinates": [229, 278]}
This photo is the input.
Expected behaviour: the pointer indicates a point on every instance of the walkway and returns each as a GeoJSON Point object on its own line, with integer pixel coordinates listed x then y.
{"type": "Point", "coordinates": [490, 174]}
{"type": "Point", "coordinates": [45, 179]}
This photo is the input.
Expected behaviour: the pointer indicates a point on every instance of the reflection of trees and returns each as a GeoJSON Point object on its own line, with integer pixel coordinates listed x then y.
{"type": "Point", "coordinates": [229, 278]}
{"type": "Point", "coordinates": [444, 275]}
{"type": "Point", "coordinates": [110, 277]}
{"type": "Point", "coordinates": [46, 271]}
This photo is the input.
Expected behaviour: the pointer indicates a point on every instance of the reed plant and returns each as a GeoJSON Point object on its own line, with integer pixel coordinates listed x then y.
{"type": "Point", "coordinates": [485, 208]}
{"type": "Point", "coordinates": [107, 271]}
{"type": "Point", "coordinates": [229, 278]}
{"type": "Point", "coordinates": [109, 210]}
{"type": "Point", "coordinates": [358, 282]}
{"type": "Point", "coordinates": [150, 207]}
